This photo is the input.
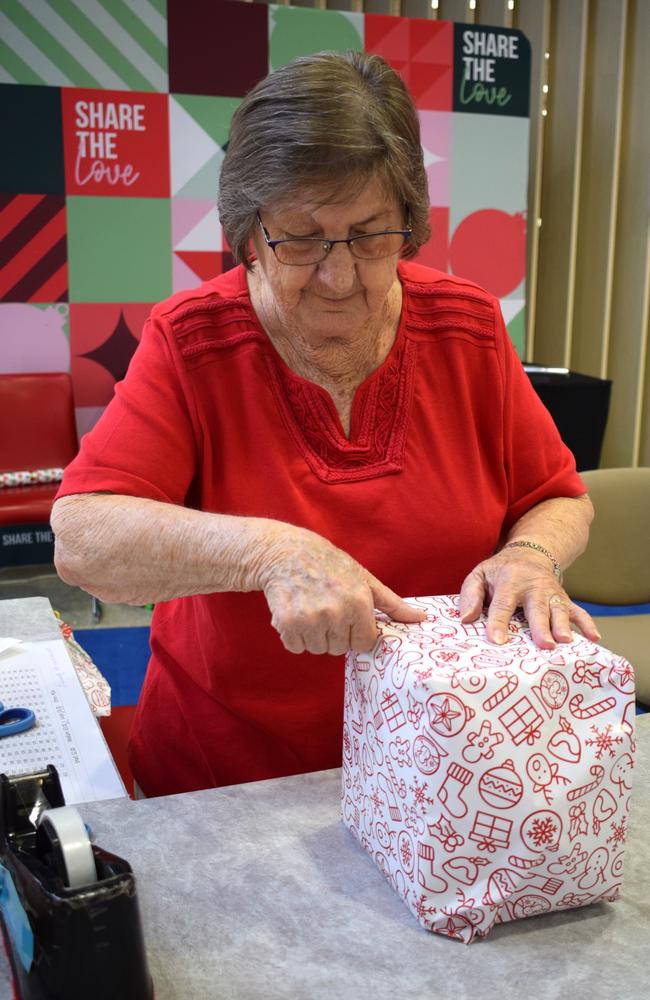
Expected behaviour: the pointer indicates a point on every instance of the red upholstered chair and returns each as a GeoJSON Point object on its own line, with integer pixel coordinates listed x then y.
{"type": "Point", "coordinates": [37, 431]}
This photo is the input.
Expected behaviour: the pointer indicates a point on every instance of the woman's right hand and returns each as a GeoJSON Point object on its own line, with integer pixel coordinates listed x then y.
{"type": "Point", "coordinates": [321, 599]}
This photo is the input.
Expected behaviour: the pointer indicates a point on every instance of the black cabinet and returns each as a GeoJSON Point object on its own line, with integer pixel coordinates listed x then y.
{"type": "Point", "coordinates": [579, 405]}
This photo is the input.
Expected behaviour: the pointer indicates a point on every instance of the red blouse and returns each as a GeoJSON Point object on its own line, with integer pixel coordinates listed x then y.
{"type": "Point", "coordinates": [449, 446]}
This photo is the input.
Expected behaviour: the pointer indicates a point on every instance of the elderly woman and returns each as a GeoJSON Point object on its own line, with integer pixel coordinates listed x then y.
{"type": "Point", "coordinates": [308, 436]}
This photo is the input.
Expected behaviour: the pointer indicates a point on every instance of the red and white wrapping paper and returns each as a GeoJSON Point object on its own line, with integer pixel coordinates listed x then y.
{"type": "Point", "coordinates": [488, 782]}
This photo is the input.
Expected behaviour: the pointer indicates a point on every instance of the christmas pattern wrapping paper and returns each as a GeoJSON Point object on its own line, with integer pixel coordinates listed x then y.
{"type": "Point", "coordinates": [487, 782]}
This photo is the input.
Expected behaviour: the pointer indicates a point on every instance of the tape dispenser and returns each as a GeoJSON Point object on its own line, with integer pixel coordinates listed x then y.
{"type": "Point", "coordinates": [69, 909]}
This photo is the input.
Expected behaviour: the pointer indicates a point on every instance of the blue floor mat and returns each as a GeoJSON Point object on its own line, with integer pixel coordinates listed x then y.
{"type": "Point", "coordinates": [122, 655]}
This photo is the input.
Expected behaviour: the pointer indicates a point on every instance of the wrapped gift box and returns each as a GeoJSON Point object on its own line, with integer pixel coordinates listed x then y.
{"type": "Point", "coordinates": [487, 782]}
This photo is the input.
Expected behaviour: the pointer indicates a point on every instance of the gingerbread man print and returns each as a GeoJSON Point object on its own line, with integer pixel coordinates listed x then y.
{"type": "Point", "coordinates": [481, 743]}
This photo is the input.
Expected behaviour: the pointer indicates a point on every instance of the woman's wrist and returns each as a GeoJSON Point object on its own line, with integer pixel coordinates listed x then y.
{"type": "Point", "coordinates": [536, 547]}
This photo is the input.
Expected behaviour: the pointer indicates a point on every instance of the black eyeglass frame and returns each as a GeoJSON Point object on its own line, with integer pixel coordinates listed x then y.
{"type": "Point", "coordinates": [328, 244]}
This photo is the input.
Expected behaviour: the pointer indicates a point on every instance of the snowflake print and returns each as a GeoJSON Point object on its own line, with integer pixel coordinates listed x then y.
{"type": "Point", "coordinates": [423, 675]}
{"type": "Point", "coordinates": [422, 800]}
{"type": "Point", "coordinates": [363, 700]}
{"type": "Point", "coordinates": [543, 831]}
{"type": "Point", "coordinates": [604, 741]}
{"type": "Point", "coordinates": [406, 853]}
{"type": "Point", "coordinates": [447, 656]}
{"type": "Point", "coordinates": [377, 800]}
{"type": "Point", "coordinates": [421, 908]}
{"type": "Point", "coordinates": [413, 820]}
{"type": "Point", "coordinates": [619, 832]}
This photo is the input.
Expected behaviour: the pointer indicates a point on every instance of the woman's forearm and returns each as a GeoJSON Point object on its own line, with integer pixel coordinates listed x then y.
{"type": "Point", "coordinates": [560, 525]}
{"type": "Point", "coordinates": [135, 551]}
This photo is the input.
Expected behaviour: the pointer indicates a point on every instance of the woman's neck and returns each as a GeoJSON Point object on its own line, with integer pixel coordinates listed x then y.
{"type": "Point", "coordinates": [338, 364]}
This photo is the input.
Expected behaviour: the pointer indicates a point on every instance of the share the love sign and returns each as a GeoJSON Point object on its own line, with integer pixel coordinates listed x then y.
{"type": "Point", "coordinates": [488, 783]}
{"type": "Point", "coordinates": [115, 143]}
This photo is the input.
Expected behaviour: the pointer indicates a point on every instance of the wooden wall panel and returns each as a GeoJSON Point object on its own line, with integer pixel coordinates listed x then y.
{"type": "Point", "coordinates": [382, 7]}
{"type": "Point", "coordinates": [596, 240]}
{"type": "Point", "coordinates": [627, 441]}
{"type": "Point", "coordinates": [416, 8]}
{"type": "Point", "coordinates": [493, 12]}
{"type": "Point", "coordinates": [455, 10]}
{"type": "Point", "coordinates": [533, 17]}
{"type": "Point", "coordinates": [561, 169]}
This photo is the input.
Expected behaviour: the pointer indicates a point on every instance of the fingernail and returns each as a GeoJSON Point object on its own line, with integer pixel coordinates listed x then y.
{"type": "Point", "coordinates": [499, 637]}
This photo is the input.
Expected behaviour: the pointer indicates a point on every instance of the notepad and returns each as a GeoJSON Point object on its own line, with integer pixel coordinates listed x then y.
{"type": "Point", "coordinates": [40, 675]}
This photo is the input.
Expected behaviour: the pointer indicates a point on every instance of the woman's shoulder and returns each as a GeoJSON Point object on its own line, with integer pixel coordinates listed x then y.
{"type": "Point", "coordinates": [227, 291]}
{"type": "Point", "coordinates": [215, 316]}
{"type": "Point", "coordinates": [437, 301]}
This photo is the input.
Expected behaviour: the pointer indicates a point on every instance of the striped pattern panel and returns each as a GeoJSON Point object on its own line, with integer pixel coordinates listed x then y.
{"type": "Point", "coordinates": [33, 256]}
{"type": "Point", "coordinates": [117, 44]}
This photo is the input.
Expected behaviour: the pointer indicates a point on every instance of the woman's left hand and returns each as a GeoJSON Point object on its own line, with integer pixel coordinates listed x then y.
{"type": "Point", "coordinates": [523, 579]}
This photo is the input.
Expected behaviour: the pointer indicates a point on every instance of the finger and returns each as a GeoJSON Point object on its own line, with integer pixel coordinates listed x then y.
{"type": "Point", "coordinates": [293, 642]}
{"type": "Point", "coordinates": [363, 636]}
{"type": "Point", "coordinates": [538, 614]}
{"type": "Point", "coordinates": [473, 594]}
{"type": "Point", "coordinates": [585, 622]}
{"type": "Point", "coordinates": [338, 639]}
{"type": "Point", "coordinates": [316, 642]}
{"type": "Point", "coordinates": [395, 607]}
{"type": "Point", "coordinates": [560, 614]}
{"type": "Point", "coordinates": [502, 608]}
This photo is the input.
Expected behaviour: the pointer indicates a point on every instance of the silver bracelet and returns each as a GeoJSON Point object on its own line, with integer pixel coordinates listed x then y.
{"type": "Point", "coordinates": [557, 569]}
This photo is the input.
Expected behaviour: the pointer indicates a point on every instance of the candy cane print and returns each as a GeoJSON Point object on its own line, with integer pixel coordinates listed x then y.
{"type": "Point", "coordinates": [367, 764]}
{"type": "Point", "coordinates": [577, 793]}
{"type": "Point", "coordinates": [588, 713]}
{"type": "Point", "coordinates": [504, 691]}
{"type": "Point", "coordinates": [393, 808]}
{"type": "Point", "coordinates": [524, 864]}
{"type": "Point", "coordinates": [373, 691]}
{"type": "Point", "coordinates": [398, 783]}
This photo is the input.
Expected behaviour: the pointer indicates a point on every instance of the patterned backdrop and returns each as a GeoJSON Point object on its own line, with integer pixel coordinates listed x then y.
{"type": "Point", "coordinates": [115, 116]}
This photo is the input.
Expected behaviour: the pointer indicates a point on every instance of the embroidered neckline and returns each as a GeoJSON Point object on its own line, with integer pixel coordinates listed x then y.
{"type": "Point", "coordinates": [379, 417]}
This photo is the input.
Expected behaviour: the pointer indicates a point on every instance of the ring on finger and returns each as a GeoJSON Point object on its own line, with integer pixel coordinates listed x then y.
{"type": "Point", "coordinates": [556, 601]}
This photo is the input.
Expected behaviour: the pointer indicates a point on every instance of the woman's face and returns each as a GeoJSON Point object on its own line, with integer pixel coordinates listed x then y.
{"type": "Point", "coordinates": [338, 296]}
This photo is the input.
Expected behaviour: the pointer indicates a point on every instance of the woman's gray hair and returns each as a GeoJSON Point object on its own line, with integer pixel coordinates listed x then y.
{"type": "Point", "coordinates": [323, 124]}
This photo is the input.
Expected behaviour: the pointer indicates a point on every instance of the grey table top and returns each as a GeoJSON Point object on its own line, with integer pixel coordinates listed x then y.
{"type": "Point", "coordinates": [258, 891]}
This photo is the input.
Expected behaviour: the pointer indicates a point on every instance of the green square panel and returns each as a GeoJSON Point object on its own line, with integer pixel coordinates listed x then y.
{"type": "Point", "coordinates": [294, 32]}
{"type": "Point", "coordinates": [119, 249]}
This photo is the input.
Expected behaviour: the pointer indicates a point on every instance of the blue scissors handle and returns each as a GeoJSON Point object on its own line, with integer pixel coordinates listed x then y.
{"type": "Point", "coordinates": [15, 720]}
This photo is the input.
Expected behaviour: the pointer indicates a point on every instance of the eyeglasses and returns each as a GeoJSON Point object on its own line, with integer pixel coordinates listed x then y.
{"type": "Point", "coordinates": [303, 250]}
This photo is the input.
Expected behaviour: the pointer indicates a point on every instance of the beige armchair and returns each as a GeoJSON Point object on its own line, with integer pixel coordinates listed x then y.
{"type": "Point", "coordinates": [615, 569]}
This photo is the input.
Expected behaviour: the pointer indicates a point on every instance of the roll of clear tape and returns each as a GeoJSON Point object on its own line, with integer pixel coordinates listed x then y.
{"type": "Point", "coordinates": [73, 854]}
